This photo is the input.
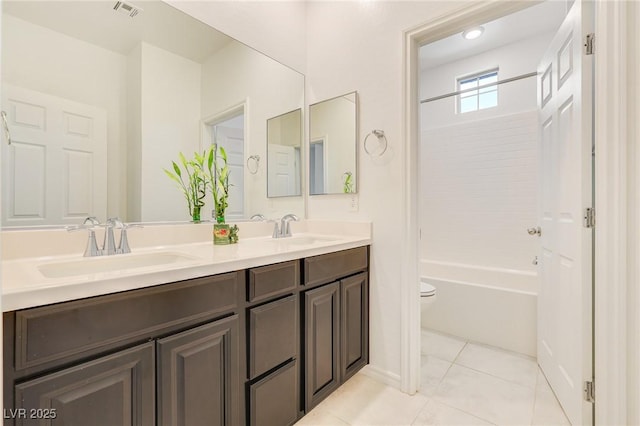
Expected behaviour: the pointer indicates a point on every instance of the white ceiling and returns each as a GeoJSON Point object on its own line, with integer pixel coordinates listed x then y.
{"type": "Point", "coordinates": [539, 19]}
{"type": "Point", "coordinates": [96, 22]}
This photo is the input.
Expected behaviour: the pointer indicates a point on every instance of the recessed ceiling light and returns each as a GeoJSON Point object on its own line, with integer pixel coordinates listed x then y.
{"type": "Point", "coordinates": [473, 33]}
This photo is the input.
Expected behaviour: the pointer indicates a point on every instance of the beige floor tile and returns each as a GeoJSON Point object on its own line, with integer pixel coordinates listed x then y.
{"type": "Point", "coordinates": [432, 370]}
{"type": "Point", "coordinates": [364, 401]}
{"type": "Point", "coordinates": [437, 414]}
{"type": "Point", "coordinates": [485, 396]}
{"type": "Point", "coordinates": [440, 345]}
{"type": "Point", "coordinates": [506, 365]}
{"type": "Point", "coordinates": [547, 410]}
{"type": "Point", "coordinates": [319, 417]}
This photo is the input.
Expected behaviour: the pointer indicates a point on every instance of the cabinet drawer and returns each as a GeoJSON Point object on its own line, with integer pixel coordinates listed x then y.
{"type": "Point", "coordinates": [329, 267]}
{"type": "Point", "coordinates": [50, 335]}
{"type": "Point", "coordinates": [273, 330]}
{"type": "Point", "coordinates": [274, 399]}
{"type": "Point", "coordinates": [271, 280]}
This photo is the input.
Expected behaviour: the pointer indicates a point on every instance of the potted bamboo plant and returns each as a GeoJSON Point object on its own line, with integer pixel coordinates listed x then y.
{"type": "Point", "coordinates": [218, 180]}
{"type": "Point", "coordinates": [192, 180]}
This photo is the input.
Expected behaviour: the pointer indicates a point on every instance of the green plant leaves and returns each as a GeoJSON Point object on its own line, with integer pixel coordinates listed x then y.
{"type": "Point", "coordinates": [206, 170]}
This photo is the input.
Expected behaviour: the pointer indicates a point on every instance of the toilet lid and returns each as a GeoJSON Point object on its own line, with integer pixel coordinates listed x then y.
{"type": "Point", "coordinates": [426, 289]}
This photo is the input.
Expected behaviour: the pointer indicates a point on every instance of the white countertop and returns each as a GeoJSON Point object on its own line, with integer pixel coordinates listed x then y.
{"type": "Point", "coordinates": [26, 281]}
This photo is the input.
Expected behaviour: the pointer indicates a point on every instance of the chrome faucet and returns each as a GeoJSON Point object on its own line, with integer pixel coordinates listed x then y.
{"type": "Point", "coordinates": [285, 227]}
{"type": "Point", "coordinates": [258, 216]}
{"type": "Point", "coordinates": [109, 246]}
{"type": "Point", "coordinates": [92, 246]}
{"type": "Point", "coordinates": [109, 242]}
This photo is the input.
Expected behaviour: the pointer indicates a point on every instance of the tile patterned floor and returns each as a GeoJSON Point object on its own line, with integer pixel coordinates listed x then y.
{"type": "Point", "coordinates": [462, 383]}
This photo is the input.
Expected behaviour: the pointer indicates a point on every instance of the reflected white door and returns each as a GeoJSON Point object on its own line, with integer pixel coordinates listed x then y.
{"type": "Point", "coordinates": [282, 164]}
{"type": "Point", "coordinates": [317, 170]}
{"type": "Point", "coordinates": [55, 170]}
{"type": "Point", "coordinates": [565, 297]}
{"type": "Point", "coordinates": [232, 139]}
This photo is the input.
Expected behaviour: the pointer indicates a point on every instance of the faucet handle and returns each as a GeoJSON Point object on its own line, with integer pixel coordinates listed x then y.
{"type": "Point", "coordinates": [89, 223]}
{"type": "Point", "coordinates": [92, 246]}
{"type": "Point", "coordinates": [123, 247]}
{"type": "Point", "coordinates": [115, 222]}
{"type": "Point", "coordinates": [92, 220]}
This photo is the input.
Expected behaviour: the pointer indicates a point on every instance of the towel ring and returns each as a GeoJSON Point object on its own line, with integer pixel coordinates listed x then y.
{"type": "Point", "coordinates": [256, 164]}
{"type": "Point", "coordinates": [382, 142]}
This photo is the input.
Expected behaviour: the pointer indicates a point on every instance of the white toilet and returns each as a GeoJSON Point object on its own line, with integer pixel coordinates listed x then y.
{"type": "Point", "coordinates": [427, 295]}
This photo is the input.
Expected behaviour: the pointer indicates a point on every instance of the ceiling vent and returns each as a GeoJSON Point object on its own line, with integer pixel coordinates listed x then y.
{"type": "Point", "coordinates": [127, 8]}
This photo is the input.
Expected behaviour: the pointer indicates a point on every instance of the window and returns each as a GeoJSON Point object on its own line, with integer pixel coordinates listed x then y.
{"type": "Point", "coordinates": [484, 96]}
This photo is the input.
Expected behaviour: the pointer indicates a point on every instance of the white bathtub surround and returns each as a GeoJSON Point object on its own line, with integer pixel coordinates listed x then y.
{"type": "Point", "coordinates": [27, 253]}
{"type": "Point", "coordinates": [492, 315]}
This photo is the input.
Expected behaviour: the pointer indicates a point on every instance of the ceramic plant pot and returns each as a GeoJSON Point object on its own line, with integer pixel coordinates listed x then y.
{"type": "Point", "coordinates": [220, 233]}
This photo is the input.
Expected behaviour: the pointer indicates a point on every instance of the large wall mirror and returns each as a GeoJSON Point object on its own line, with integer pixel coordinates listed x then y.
{"type": "Point", "coordinates": [333, 128]}
{"type": "Point", "coordinates": [99, 102]}
{"type": "Point", "coordinates": [284, 157]}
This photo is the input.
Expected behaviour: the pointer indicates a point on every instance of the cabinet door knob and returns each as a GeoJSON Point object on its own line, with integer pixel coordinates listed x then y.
{"type": "Point", "coordinates": [535, 231]}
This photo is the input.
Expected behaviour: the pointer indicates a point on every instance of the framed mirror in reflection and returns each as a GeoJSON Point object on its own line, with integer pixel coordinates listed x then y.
{"type": "Point", "coordinates": [333, 128]}
{"type": "Point", "coordinates": [284, 156]}
{"type": "Point", "coordinates": [98, 103]}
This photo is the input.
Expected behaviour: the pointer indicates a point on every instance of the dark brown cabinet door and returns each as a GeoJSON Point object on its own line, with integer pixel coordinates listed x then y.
{"type": "Point", "coordinates": [198, 376]}
{"type": "Point", "coordinates": [354, 324]}
{"type": "Point", "coordinates": [273, 400]}
{"type": "Point", "coordinates": [117, 389]}
{"type": "Point", "coordinates": [322, 371]}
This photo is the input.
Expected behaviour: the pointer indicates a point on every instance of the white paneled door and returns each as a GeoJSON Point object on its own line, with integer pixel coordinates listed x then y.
{"type": "Point", "coordinates": [282, 167]}
{"type": "Point", "coordinates": [232, 140]}
{"type": "Point", "coordinates": [54, 170]}
{"type": "Point", "coordinates": [565, 305]}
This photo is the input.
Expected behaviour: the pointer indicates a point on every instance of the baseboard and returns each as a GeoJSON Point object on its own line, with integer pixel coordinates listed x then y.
{"type": "Point", "coordinates": [382, 376]}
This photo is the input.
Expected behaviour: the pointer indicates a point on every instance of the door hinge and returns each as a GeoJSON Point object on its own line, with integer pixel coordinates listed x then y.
{"type": "Point", "coordinates": [589, 43]}
{"type": "Point", "coordinates": [589, 217]}
{"type": "Point", "coordinates": [589, 391]}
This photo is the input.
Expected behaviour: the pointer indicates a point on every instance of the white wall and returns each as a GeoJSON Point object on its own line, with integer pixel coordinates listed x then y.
{"type": "Point", "coordinates": [276, 28]}
{"type": "Point", "coordinates": [513, 59]}
{"type": "Point", "coordinates": [170, 123]}
{"type": "Point", "coordinates": [40, 59]}
{"type": "Point", "coordinates": [633, 285]}
{"type": "Point", "coordinates": [134, 135]}
{"type": "Point", "coordinates": [227, 77]}
{"type": "Point", "coordinates": [359, 46]}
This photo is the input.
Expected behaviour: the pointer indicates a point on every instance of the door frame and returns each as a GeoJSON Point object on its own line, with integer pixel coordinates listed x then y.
{"type": "Point", "coordinates": [240, 108]}
{"type": "Point", "coordinates": [611, 176]}
{"type": "Point", "coordinates": [465, 16]}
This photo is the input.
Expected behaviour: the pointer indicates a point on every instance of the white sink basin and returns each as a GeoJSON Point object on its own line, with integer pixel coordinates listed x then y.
{"type": "Point", "coordinates": [114, 263]}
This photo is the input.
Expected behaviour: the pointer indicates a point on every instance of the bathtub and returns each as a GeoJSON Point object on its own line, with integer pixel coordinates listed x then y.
{"type": "Point", "coordinates": [493, 307]}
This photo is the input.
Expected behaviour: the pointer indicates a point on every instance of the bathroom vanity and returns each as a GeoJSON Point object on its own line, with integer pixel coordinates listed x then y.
{"type": "Point", "coordinates": [260, 345]}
